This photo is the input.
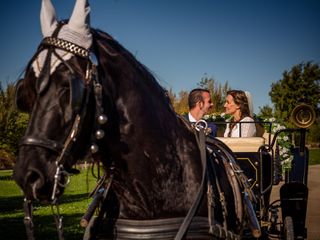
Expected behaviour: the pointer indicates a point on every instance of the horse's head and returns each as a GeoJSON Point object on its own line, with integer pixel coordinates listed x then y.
{"type": "Point", "coordinates": [56, 91]}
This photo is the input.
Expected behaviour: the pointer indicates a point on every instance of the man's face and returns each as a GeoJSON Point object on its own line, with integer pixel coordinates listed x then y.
{"type": "Point", "coordinates": [207, 103]}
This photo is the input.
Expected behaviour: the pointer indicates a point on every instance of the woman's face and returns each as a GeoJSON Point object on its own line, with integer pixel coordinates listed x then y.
{"type": "Point", "coordinates": [231, 107]}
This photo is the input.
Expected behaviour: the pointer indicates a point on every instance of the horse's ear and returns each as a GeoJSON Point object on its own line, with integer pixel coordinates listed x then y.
{"type": "Point", "coordinates": [24, 96]}
{"type": "Point", "coordinates": [48, 19]}
{"type": "Point", "coordinates": [80, 18]}
{"type": "Point", "coordinates": [80, 22]}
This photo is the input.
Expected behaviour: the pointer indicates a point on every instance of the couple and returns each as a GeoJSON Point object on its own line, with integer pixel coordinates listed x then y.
{"type": "Point", "coordinates": [238, 104]}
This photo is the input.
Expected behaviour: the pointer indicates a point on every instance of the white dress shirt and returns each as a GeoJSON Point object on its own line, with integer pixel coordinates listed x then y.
{"type": "Point", "coordinates": [191, 118]}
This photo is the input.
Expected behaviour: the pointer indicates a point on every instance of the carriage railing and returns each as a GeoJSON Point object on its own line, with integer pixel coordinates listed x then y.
{"type": "Point", "coordinates": [264, 129]}
{"type": "Point", "coordinates": [267, 131]}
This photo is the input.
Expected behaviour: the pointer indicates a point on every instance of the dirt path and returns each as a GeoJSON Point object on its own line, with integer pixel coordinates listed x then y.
{"type": "Point", "coordinates": [313, 208]}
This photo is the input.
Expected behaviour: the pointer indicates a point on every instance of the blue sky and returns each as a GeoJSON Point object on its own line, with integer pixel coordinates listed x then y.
{"type": "Point", "coordinates": [248, 43]}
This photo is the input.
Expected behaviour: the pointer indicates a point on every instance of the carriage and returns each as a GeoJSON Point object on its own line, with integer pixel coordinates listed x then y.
{"type": "Point", "coordinates": [164, 179]}
{"type": "Point", "coordinates": [283, 216]}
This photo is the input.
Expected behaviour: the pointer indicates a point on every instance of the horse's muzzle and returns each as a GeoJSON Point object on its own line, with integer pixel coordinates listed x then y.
{"type": "Point", "coordinates": [34, 182]}
{"type": "Point", "coordinates": [35, 185]}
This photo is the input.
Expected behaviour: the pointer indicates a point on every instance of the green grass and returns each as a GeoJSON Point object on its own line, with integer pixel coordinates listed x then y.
{"type": "Point", "coordinates": [314, 156]}
{"type": "Point", "coordinates": [73, 204]}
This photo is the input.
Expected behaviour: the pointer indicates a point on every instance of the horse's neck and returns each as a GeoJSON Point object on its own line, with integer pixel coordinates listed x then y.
{"type": "Point", "coordinates": [156, 167]}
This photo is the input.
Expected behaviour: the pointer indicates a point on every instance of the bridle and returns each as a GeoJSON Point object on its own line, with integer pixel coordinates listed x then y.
{"type": "Point", "coordinates": [63, 149]}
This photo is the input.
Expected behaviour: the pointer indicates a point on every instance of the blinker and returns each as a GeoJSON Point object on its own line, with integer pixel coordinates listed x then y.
{"type": "Point", "coordinates": [76, 93]}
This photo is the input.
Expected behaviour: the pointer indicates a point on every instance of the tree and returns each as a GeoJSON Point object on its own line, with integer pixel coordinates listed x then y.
{"type": "Point", "coordinates": [172, 96]}
{"type": "Point", "coordinates": [12, 123]}
{"type": "Point", "coordinates": [301, 83]}
{"type": "Point", "coordinates": [265, 111]}
{"type": "Point", "coordinates": [314, 134]}
{"type": "Point", "coordinates": [181, 104]}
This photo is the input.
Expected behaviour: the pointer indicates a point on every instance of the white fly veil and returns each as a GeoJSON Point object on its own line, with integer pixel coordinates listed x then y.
{"type": "Point", "coordinates": [76, 31]}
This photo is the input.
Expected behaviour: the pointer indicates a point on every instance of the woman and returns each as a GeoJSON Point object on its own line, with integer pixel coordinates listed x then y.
{"type": "Point", "coordinates": [239, 105]}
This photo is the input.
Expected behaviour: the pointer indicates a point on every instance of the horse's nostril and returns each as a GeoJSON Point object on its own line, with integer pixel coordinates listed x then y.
{"type": "Point", "coordinates": [34, 178]}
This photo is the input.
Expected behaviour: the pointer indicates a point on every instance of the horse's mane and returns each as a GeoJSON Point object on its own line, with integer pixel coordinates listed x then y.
{"type": "Point", "coordinates": [110, 52]}
{"type": "Point", "coordinates": [113, 48]}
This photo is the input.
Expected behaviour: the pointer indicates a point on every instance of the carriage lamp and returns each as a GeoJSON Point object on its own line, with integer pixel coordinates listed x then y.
{"type": "Point", "coordinates": [303, 115]}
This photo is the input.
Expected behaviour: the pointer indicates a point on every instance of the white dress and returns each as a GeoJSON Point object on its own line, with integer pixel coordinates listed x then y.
{"type": "Point", "coordinates": [247, 129]}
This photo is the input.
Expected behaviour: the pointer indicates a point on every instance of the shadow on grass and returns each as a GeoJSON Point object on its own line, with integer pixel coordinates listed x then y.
{"type": "Point", "coordinates": [11, 204]}
{"type": "Point", "coordinates": [6, 178]}
{"type": "Point", "coordinates": [44, 227]}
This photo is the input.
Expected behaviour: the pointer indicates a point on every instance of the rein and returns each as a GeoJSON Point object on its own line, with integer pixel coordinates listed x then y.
{"type": "Point", "coordinates": [201, 141]}
{"type": "Point", "coordinates": [215, 230]}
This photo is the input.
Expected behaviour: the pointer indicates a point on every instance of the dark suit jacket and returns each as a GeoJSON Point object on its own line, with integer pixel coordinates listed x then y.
{"type": "Point", "coordinates": [211, 125]}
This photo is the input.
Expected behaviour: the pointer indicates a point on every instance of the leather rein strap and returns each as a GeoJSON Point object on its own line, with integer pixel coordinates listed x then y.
{"type": "Point", "coordinates": [214, 230]}
{"type": "Point", "coordinates": [201, 140]}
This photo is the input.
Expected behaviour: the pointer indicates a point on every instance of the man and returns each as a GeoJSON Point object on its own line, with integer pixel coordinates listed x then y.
{"type": "Point", "coordinates": [199, 102]}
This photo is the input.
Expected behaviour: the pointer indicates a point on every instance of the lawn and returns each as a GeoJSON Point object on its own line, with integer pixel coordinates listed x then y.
{"type": "Point", "coordinates": [73, 205]}
{"type": "Point", "coordinates": [314, 156]}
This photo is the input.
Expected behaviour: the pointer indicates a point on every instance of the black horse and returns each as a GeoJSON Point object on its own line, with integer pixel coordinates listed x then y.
{"type": "Point", "coordinates": [117, 108]}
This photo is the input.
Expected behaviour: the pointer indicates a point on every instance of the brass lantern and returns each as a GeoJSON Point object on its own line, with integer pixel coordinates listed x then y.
{"type": "Point", "coordinates": [303, 115]}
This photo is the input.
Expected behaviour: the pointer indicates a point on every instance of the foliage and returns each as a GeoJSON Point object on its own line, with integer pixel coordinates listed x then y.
{"type": "Point", "coordinates": [283, 141]}
{"type": "Point", "coordinates": [181, 103]}
{"type": "Point", "coordinates": [266, 111]}
{"type": "Point", "coordinates": [171, 95]}
{"type": "Point", "coordinates": [314, 156]}
{"type": "Point", "coordinates": [12, 123]}
{"type": "Point", "coordinates": [6, 159]}
{"type": "Point", "coordinates": [301, 83]}
{"type": "Point", "coordinates": [72, 207]}
{"type": "Point", "coordinates": [314, 133]}
{"type": "Point", "coordinates": [217, 117]}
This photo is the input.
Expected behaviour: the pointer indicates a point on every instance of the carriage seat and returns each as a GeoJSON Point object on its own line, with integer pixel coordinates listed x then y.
{"type": "Point", "coordinates": [244, 144]}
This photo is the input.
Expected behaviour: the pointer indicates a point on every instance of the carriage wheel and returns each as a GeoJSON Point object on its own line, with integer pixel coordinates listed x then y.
{"type": "Point", "coordinates": [288, 228]}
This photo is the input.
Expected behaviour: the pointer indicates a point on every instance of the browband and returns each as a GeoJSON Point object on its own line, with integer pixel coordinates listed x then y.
{"type": "Point", "coordinates": [66, 45]}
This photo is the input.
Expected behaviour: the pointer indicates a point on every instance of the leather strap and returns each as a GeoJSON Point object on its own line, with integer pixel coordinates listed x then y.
{"type": "Point", "coordinates": [42, 142]}
{"type": "Point", "coordinates": [201, 140]}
